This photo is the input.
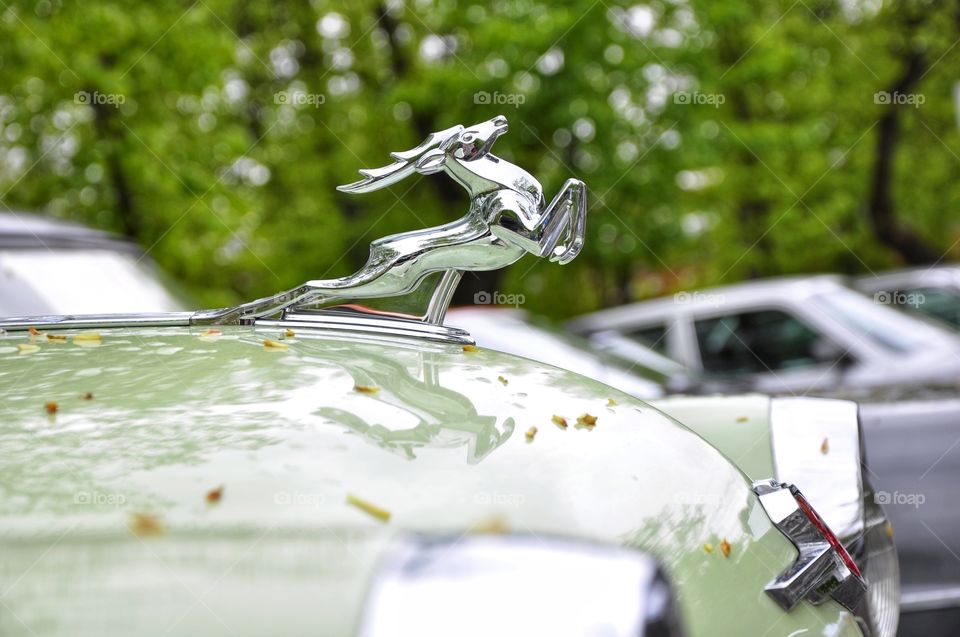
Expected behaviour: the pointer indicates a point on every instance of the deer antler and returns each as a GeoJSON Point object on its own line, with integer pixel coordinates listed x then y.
{"type": "Point", "coordinates": [402, 167]}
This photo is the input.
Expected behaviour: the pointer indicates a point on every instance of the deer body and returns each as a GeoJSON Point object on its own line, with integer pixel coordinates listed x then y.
{"type": "Point", "coordinates": [508, 217]}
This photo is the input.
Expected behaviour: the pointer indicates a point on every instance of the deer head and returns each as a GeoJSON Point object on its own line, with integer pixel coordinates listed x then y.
{"type": "Point", "coordinates": [465, 144]}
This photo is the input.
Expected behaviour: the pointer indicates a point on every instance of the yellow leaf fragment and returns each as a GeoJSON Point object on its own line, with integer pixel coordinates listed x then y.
{"type": "Point", "coordinates": [559, 421]}
{"type": "Point", "coordinates": [611, 402]}
{"type": "Point", "coordinates": [889, 530]}
{"type": "Point", "coordinates": [531, 432]}
{"type": "Point", "coordinates": [56, 338]}
{"type": "Point", "coordinates": [708, 547]}
{"type": "Point", "coordinates": [825, 447]}
{"type": "Point", "coordinates": [288, 333]}
{"type": "Point", "coordinates": [742, 419]}
{"type": "Point", "coordinates": [491, 526]}
{"type": "Point", "coordinates": [88, 339]}
{"type": "Point", "coordinates": [586, 420]}
{"type": "Point", "coordinates": [366, 389]}
{"type": "Point", "coordinates": [370, 509]}
{"type": "Point", "coordinates": [146, 524]}
{"type": "Point", "coordinates": [274, 345]}
{"type": "Point", "coordinates": [470, 349]}
{"type": "Point", "coordinates": [725, 547]}
{"type": "Point", "coordinates": [28, 348]}
{"type": "Point", "coordinates": [503, 381]}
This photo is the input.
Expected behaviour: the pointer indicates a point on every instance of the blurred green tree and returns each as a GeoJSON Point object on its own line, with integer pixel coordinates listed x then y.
{"type": "Point", "coordinates": [719, 140]}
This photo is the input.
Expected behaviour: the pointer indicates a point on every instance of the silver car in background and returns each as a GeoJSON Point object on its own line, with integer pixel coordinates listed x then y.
{"type": "Point", "coordinates": [788, 335]}
{"type": "Point", "coordinates": [816, 335]}
{"type": "Point", "coordinates": [930, 291]}
{"type": "Point", "coordinates": [515, 332]}
{"type": "Point", "coordinates": [53, 267]}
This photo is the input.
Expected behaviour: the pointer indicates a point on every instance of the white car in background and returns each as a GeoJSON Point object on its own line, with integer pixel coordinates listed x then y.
{"type": "Point", "coordinates": [930, 291]}
{"type": "Point", "coordinates": [52, 267]}
{"type": "Point", "coordinates": [515, 332]}
{"type": "Point", "coordinates": [787, 335]}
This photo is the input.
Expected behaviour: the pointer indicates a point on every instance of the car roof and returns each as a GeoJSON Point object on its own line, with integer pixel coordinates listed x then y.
{"type": "Point", "coordinates": [786, 289]}
{"type": "Point", "coordinates": [26, 231]}
{"type": "Point", "coordinates": [920, 276]}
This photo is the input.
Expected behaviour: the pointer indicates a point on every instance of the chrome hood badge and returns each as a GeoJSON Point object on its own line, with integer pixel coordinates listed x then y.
{"type": "Point", "coordinates": [823, 568]}
{"type": "Point", "coordinates": [507, 218]}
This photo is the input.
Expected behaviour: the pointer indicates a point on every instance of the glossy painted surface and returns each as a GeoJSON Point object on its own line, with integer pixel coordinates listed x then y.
{"type": "Point", "coordinates": [739, 426]}
{"type": "Point", "coordinates": [746, 427]}
{"type": "Point", "coordinates": [441, 447]}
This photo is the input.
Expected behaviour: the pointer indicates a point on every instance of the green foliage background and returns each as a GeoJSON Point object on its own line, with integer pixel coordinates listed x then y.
{"type": "Point", "coordinates": [230, 186]}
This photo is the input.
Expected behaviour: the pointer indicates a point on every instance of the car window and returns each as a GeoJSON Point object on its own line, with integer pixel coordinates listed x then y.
{"type": "Point", "coordinates": [654, 337]}
{"type": "Point", "coordinates": [936, 302]}
{"type": "Point", "coordinates": [754, 342]}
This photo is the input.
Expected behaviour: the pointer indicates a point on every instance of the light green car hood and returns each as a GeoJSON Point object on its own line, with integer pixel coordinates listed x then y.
{"type": "Point", "coordinates": [441, 447]}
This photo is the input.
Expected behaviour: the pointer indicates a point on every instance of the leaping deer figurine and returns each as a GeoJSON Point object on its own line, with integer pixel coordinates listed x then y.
{"type": "Point", "coordinates": [508, 217]}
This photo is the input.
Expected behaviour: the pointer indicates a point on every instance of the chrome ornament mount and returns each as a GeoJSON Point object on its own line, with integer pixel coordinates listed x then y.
{"type": "Point", "coordinates": [823, 569]}
{"type": "Point", "coordinates": [508, 217]}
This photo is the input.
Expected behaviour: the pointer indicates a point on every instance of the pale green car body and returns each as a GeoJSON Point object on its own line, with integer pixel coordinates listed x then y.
{"type": "Point", "coordinates": [428, 433]}
{"type": "Point", "coordinates": [738, 426]}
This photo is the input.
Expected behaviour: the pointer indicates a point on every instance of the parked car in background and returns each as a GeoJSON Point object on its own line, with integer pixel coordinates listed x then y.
{"type": "Point", "coordinates": [609, 357]}
{"type": "Point", "coordinates": [914, 466]}
{"type": "Point", "coordinates": [794, 335]}
{"type": "Point", "coordinates": [49, 266]}
{"type": "Point", "coordinates": [931, 291]}
{"type": "Point", "coordinates": [515, 332]}
{"type": "Point", "coordinates": [322, 461]}
{"type": "Point", "coordinates": [784, 336]}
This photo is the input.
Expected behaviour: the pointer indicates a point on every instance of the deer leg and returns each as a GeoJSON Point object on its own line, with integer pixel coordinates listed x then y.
{"type": "Point", "coordinates": [556, 232]}
{"type": "Point", "coordinates": [563, 223]}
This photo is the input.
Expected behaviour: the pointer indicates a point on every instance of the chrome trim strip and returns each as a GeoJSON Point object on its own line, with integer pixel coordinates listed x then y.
{"type": "Point", "coordinates": [89, 321]}
{"type": "Point", "coordinates": [372, 325]}
{"type": "Point", "coordinates": [917, 601]}
{"type": "Point", "coordinates": [329, 321]}
{"type": "Point", "coordinates": [830, 477]}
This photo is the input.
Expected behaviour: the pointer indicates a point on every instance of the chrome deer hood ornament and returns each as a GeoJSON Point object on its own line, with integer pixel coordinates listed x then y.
{"type": "Point", "coordinates": [508, 217]}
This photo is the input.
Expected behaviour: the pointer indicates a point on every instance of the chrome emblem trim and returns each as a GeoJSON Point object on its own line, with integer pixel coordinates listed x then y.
{"type": "Point", "coordinates": [823, 569]}
{"type": "Point", "coordinates": [508, 217]}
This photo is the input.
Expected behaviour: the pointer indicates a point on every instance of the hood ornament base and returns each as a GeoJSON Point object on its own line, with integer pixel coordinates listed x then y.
{"type": "Point", "coordinates": [507, 218]}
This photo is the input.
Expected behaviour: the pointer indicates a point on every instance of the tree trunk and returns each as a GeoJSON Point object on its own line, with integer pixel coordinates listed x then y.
{"type": "Point", "coordinates": [123, 197]}
{"type": "Point", "coordinates": [888, 230]}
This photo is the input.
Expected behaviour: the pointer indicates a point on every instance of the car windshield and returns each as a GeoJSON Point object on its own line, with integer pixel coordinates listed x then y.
{"type": "Point", "coordinates": [881, 325]}
{"type": "Point", "coordinates": [638, 361]}
{"type": "Point", "coordinates": [44, 282]}
{"type": "Point", "coordinates": [939, 303]}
